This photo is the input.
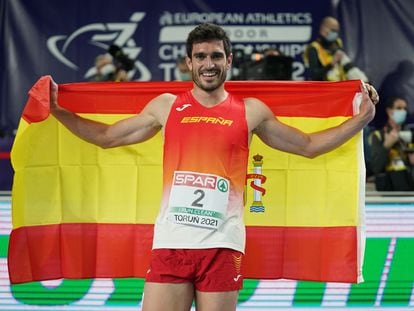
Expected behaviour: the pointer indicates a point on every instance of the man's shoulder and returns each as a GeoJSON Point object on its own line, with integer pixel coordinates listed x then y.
{"type": "Point", "coordinates": [315, 44]}
{"type": "Point", "coordinates": [162, 102]}
{"type": "Point", "coordinates": [257, 113]}
{"type": "Point", "coordinates": [252, 101]}
{"type": "Point", "coordinates": [255, 106]}
{"type": "Point", "coordinates": [164, 99]}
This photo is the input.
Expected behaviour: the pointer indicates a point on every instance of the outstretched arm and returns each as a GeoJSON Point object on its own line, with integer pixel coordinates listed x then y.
{"type": "Point", "coordinates": [286, 138]}
{"type": "Point", "coordinates": [124, 132]}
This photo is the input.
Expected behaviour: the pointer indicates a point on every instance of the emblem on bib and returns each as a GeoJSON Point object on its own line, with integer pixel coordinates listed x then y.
{"type": "Point", "coordinates": [198, 199]}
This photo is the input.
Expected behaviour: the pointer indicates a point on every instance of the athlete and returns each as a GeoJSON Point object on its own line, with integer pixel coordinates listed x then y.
{"type": "Point", "coordinates": [199, 235]}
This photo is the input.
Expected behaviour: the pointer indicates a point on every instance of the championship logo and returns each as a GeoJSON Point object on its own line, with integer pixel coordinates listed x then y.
{"type": "Point", "coordinates": [258, 179]}
{"type": "Point", "coordinates": [101, 35]}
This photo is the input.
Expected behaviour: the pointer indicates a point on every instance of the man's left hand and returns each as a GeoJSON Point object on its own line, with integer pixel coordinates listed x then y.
{"type": "Point", "coordinates": [372, 92]}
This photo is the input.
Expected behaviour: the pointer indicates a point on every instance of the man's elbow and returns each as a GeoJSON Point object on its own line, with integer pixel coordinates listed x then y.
{"type": "Point", "coordinates": [105, 146]}
{"type": "Point", "coordinates": [311, 154]}
{"type": "Point", "coordinates": [312, 150]}
{"type": "Point", "coordinates": [105, 142]}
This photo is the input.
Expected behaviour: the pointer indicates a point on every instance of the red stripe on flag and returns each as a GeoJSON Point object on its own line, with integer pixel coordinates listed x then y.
{"type": "Point", "coordinates": [290, 98]}
{"type": "Point", "coordinates": [123, 250]}
{"type": "Point", "coordinates": [318, 99]}
{"type": "Point", "coordinates": [77, 251]}
{"type": "Point", "coordinates": [305, 253]}
{"type": "Point", "coordinates": [37, 106]}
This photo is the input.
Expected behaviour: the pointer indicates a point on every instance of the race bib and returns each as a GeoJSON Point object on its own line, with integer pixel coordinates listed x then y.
{"type": "Point", "coordinates": [198, 199]}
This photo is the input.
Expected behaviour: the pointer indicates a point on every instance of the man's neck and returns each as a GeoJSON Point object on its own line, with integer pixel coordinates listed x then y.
{"type": "Point", "coordinates": [210, 99]}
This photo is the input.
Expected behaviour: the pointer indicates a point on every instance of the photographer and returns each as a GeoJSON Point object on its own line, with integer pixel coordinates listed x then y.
{"type": "Point", "coordinates": [325, 57]}
{"type": "Point", "coordinates": [391, 149]}
{"type": "Point", "coordinates": [113, 66]}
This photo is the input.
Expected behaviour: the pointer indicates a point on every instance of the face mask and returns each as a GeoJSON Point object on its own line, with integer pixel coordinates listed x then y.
{"type": "Point", "coordinates": [399, 116]}
{"type": "Point", "coordinates": [332, 36]}
{"type": "Point", "coordinates": [185, 76]}
{"type": "Point", "coordinates": [107, 69]}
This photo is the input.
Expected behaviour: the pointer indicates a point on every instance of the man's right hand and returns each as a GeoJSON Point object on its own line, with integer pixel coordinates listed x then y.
{"type": "Point", "coordinates": [337, 57]}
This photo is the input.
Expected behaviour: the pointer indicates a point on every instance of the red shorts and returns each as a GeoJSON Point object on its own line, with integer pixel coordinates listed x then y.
{"type": "Point", "coordinates": [210, 270]}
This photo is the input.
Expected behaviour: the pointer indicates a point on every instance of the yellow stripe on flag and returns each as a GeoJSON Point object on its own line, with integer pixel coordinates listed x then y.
{"type": "Point", "coordinates": [308, 192]}
{"type": "Point", "coordinates": [300, 191]}
{"type": "Point", "coordinates": [98, 179]}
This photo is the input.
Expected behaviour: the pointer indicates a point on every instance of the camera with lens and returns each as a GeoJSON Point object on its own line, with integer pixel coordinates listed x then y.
{"type": "Point", "coordinates": [270, 64]}
{"type": "Point", "coordinates": [120, 60]}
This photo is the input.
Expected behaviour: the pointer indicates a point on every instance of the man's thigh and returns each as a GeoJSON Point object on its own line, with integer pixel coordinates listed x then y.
{"type": "Point", "coordinates": [216, 301]}
{"type": "Point", "coordinates": [167, 296]}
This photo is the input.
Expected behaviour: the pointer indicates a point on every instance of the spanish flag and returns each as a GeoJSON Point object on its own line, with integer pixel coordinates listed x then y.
{"type": "Point", "coordinates": [79, 211]}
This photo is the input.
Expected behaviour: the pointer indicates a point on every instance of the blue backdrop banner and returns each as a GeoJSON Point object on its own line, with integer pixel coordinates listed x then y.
{"type": "Point", "coordinates": [64, 38]}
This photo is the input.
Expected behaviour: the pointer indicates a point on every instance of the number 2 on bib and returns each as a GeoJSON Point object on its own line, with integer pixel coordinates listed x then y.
{"type": "Point", "coordinates": [198, 199]}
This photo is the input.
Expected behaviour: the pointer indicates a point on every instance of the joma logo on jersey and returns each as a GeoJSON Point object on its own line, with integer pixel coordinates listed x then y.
{"type": "Point", "coordinates": [195, 180]}
{"type": "Point", "coordinates": [212, 120]}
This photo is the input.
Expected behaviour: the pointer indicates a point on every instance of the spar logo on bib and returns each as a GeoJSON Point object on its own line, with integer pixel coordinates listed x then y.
{"type": "Point", "coordinates": [200, 181]}
{"type": "Point", "coordinates": [198, 199]}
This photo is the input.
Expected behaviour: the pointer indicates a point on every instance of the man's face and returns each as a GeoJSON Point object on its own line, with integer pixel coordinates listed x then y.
{"type": "Point", "coordinates": [209, 64]}
{"type": "Point", "coordinates": [330, 25]}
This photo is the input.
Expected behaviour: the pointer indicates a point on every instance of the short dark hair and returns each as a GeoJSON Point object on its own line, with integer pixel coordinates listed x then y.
{"type": "Point", "coordinates": [208, 32]}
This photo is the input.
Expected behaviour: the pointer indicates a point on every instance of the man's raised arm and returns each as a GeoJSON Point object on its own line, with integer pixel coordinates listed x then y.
{"type": "Point", "coordinates": [128, 131]}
